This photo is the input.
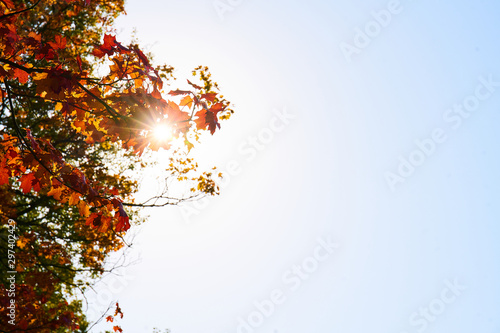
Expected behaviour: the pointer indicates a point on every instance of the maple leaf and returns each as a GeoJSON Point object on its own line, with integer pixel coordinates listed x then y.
{"type": "Point", "coordinates": [121, 215]}
{"type": "Point", "coordinates": [74, 198]}
{"type": "Point", "coordinates": [156, 94]}
{"type": "Point", "coordinates": [186, 101]}
{"type": "Point", "coordinates": [109, 318]}
{"type": "Point", "coordinates": [56, 193]}
{"type": "Point", "coordinates": [21, 75]}
{"type": "Point", "coordinates": [27, 182]}
{"type": "Point", "coordinates": [209, 96]}
{"type": "Point", "coordinates": [175, 115]}
{"type": "Point", "coordinates": [59, 43]}
{"type": "Point", "coordinates": [207, 118]}
{"type": "Point", "coordinates": [83, 208]}
{"type": "Point", "coordinates": [217, 108]}
{"type": "Point", "coordinates": [94, 220]}
{"type": "Point", "coordinates": [117, 329]}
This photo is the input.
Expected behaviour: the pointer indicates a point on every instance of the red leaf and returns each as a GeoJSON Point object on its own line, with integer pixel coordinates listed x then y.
{"type": "Point", "coordinates": [118, 310]}
{"type": "Point", "coordinates": [156, 94]}
{"type": "Point", "coordinates": [217, 107]}
{"type": "Point", "coordinates": [108, 46]}
{"type": "Point", "coordinates": [123, 220]}
{"type": "Point", "coordinates": [27, 182]}
{"type": "Point", "coordinates": [117, 329]}
{"type": "Point", "coordinates": [21, 75]}
{"type": "Point", "coordinates": [98, 53]}
{"type": "Point", "coordinates": [94, 220]}
{"type": "Point", "coordinates": [109, 318]}
{"type": "Point", "coordinates": [33, 142]}
{"type": "Point", "coordinates": [79, 61]}
{"type": "Point", "coordinates": [142, 57]}
{"type": "Point", "coordinates": [209, 97]}
{"type": "Point", "coordinates": [4, 176]}
{"type": "Point", "coordinates": [207, 119]}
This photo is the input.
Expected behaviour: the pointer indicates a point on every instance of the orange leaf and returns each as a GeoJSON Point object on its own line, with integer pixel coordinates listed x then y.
{"type": "Point", "coordinates": [83, 208]}
{"type": "Point", "coordinates": [27, 182]}
{"type": "Point", "coordinates": [74, 198]}
{"type": "Point", "coordinates": [4, 176]}
{"type": "Point", "coordinates": [187, 101]}
{"type": "Point", "coordinates": [21, 75]}
{"type": "Point", "coordinates": [56, 193]}
{"type": "Point", "coordinates": [209, 97]}
{"type": "Point", "coordinates": [59, 43]}
{"type": "Point", "coordinates": [156, 94]}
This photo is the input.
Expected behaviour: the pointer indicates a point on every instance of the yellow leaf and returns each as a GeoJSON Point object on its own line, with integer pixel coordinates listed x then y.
{"type": "Point", "coordinates": [58, 106]}
{"type": "Point", "coordinates": [83, 208]}
{"type": "Point", "coordinates": [21, 242]}
{"type": "Point", "coordinates": [39, 76]}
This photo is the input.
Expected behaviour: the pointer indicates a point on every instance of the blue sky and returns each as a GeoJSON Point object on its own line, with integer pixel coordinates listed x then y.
{"type": "Point", "coordinates": [331, 127]}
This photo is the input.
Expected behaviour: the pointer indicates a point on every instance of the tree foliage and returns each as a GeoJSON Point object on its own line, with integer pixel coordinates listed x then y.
{"type": "Point", "coordinates": [78, 113]}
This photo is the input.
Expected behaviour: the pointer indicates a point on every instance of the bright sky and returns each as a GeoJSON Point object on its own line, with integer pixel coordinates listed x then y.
{"type": "Point", "coordinates": [363, 160]}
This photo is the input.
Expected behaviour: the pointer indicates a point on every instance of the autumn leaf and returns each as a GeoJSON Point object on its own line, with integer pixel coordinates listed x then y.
{"type": "Point", "coordinates": [21, 75]}
{"type": "Point", "coordinates": [186, 101]}
{"type": "Point", "coordinates": [26, 182]}
{"type": "Point", "coordinates": [209, 97]}
{"type": "Point", "coordinates": [83, 208]}
{"type": "Point", "coordinates": [74, 198]}
{"type": "Point", "coordinates": [4, 177]}
{"type": "Point", "coordinates": [56, 193]}
{"type": "Point", "coordinates": [118, 310]}
{"type": "Point", "coordinates": [59, 43]}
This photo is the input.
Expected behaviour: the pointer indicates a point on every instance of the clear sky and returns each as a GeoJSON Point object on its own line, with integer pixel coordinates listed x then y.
{"type": "Point", "coordinates": [363, 163]}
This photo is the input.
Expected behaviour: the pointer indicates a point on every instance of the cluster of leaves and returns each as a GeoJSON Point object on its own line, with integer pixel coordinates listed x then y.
{"type": "Point", "coordinates": [62, 124]}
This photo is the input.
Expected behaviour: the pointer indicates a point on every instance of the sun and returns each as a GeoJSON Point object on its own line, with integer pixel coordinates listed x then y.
{"type": "Point", "coordinates": [162, 132]}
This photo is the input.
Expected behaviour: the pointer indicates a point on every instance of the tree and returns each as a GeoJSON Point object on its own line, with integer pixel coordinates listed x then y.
{"type": "Point", "coordinates": [72, 140]}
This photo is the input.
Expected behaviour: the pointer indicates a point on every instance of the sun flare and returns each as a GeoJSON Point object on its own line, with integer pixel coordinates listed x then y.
{"type": "Point", "coordinates": [162, 132]}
